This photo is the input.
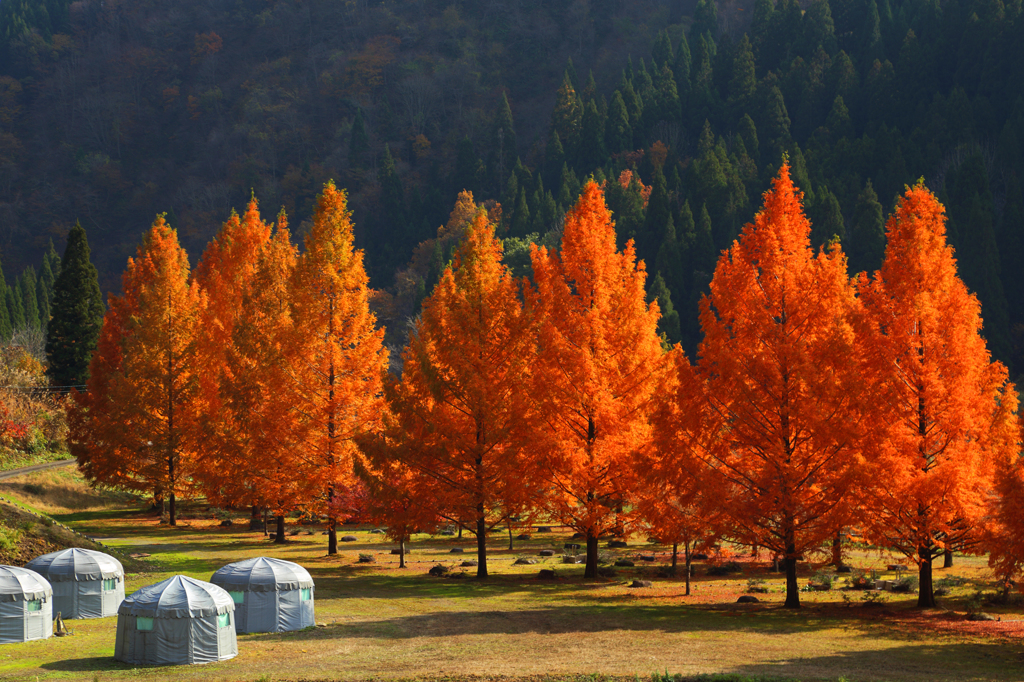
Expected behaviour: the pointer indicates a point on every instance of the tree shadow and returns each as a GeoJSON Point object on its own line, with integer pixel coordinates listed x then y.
{"type": "Point", "coordinates": [925, 662]}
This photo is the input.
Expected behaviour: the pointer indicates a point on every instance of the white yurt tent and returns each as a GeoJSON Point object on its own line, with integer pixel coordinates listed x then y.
{"type": "Point", "coordinates": [270, 595]}
{"type": "Point", "coordinates": [25, 605]}
{"type": "Point", "coordinates": [86, 583]}
{"type": "Point", "coordinates": [177, 622]}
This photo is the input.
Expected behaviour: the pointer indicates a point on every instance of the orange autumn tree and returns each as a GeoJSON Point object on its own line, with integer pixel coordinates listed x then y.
{"type": "Point", "coordinates": [134, 425]}
{"type": "Point", "coordinates": [335, 356]}
{"type": "Point", "coordinates": [461, 402]}
{"type": "Point", "coordinates": [225, 274]}
{"type": "Point", "coordinates": [941, 416]}
{"type": "Point", "coordinates": [670, 496]}
{"type": "Point", "coordinates": [778, 358]}
{"type": "Point", "coordinates": [597, 371]}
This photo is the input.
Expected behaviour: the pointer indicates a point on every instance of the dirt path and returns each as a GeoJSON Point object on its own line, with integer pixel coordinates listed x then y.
{"type": "Point", "coordinates": [36, 467]}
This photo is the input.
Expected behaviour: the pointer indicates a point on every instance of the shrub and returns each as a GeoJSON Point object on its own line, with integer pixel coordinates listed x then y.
{"type": "Point", "coordinates": [757, 586]}
{"type": "Point", "coordinates": [908, 583]}
{"type": "Point", "coordinates": [822, 580]}
{"type": "Point", "coordinates": [9, 538]}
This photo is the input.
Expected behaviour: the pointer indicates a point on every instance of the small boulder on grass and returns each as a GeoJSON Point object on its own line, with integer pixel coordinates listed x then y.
{"type": "Point", "coordinates": [523, 536]}
{"type": "Point", "coordinates": [439, 570]}
{"type": "Point", "coordinates": [349, 538]}
{"type": "Point", "coordinates": [469, 564]}
{"type": "Point", "coordinates": [547, 552]}
{"type": "Point", "coordinates": [747, 599]}
{"type": "Point", "coordinates": [543, 529]}
{"type": "Point", "coordinates": [456, 550]}
{"type": "Point", "coordinates": [641, 583]}
{"type": "Point", "coordinates": [978, 615]}
{"type": "Point", "coordinates": [398, 551]}
{"type": "Point", "coordinates": [366, 559]}
{"type": "Point", "coordinates": [617, 544]}
{"type": "Point", "coordinates": [546, 574]}
{"type": "Point", "coordinates": [624, 563]}
{"type": "Point", "coordinates": [524, 561]}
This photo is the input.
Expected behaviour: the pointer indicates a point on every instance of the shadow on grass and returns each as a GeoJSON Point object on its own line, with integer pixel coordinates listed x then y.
{"type": "Point", "coordinates": [924, 663]}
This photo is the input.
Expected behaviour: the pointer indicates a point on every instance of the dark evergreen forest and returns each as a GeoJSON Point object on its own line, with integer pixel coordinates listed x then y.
{"type": "Point", "coordinates": [113, 111]}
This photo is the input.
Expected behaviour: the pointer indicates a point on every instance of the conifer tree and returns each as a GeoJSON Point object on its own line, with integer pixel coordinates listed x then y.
{"type": "Point", "coordinates": [5, 314]}
{"type": "Point", "coordinates": [941, 419]}
{"type": "Point", "coordinates": [30, 300]}
{"type": "Point", "coordinates": [599, 367]}
{"type": "Point", "coordinates": [359, 143]}
{"type": "Point", "coordinates": [15, 305]}
{"type": "Point", "coordinates": [76, 314]}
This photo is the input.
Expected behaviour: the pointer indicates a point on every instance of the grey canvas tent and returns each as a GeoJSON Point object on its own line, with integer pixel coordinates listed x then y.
{"type": "Point", "coordinates": [177, 622]}
{"type": "Point", "coordinates": [25, 605]}
{"type": "Point", "coordinates": [86, 583]}
{"type": "Point", "coordinates": [270, 595]}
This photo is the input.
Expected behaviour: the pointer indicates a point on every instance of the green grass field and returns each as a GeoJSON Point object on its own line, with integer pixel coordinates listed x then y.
{"type": "Point", "coordinates": [381, 622]}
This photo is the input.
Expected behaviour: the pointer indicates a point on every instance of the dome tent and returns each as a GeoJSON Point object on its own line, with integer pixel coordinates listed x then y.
{"type": "Point", "coordinates": [270, 595]}
{"type": "Point", "coordinates": [25, 605]}
{"type": "Point", "coordinates": [178, 621]}
{"type": "Point", "coordinates": [86, 583]}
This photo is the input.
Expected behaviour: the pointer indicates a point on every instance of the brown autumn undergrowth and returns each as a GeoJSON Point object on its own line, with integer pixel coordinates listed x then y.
{"type": "Point", "coordinates": [382, 622]}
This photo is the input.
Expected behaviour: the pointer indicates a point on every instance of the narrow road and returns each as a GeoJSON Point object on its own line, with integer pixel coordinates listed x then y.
{"type": "Point", "coordinates": [36, 467]}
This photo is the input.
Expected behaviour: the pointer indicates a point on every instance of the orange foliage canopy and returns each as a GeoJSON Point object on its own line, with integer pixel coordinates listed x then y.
{"type": "Point", "coordinates": [941, 414]}
{"type": "Point", "coordinates": [598, 369]}
{"type": "Point", "coordinates": [461, 403]}
{"type": "Point", "coordinates": [778, 356]}
{"type": "Point", "coordinates": [133, 427]}
{"type": "Point", "coordinates": [670, 495]}
{"type": "Point", "coordinates": [335, 357]}
{"type": "Point", "coordinates": [245, 274]}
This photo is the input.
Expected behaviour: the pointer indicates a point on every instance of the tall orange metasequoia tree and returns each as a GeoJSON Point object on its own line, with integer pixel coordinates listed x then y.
{"type": "Point", "coordinates": [778, 357]}
{"type": "Point", "coordinates": [336, 358]}
{"type": "Point", "coordinates": [133, 426]}
{"type": "Point", "coordinates": [670, 495]}
{"type": "Point", "coordinates": [461, 402]}
{"type": "Point", "coordinates": [226, 274]}
{"type": "Point", "coordinates": [942, 415]}
{"type": "Point", "coordinates": [599, 366]}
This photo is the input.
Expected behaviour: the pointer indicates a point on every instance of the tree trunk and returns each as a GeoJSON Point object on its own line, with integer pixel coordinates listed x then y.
{"type": "Point", "coordinates": [481, 543]}
{"type": "Point", "coordinates": [925, 595]}
{"type": "Point", "coordinates": [792, 588]}
{"type": "Point", "coordinates": [837, 549]}
{"type": "Point", "coordinates": [172, 517]}
{"type": "Point", "coordinates": [591, 570]}
{"type": "Point", "coordinates": [675, 557]}
{"type": "Point", "coordinates": [686, 550]}
{"type": "Point", "coordinates": [266, 520]}
{"type": "Point", "coordinates": [332, 535]}
{"type": "Point", "coordinates": [254, 518]}
{"type": "Point", "coordinates": [401, 553]}
{"type": "Point", "coordinates": [279, 538]}
{"type": "Point", "coordinates": [510, 547]}
{"type": "Point", "coordinates": [460, 531]}
{"type": "Point", "coordinates": [947, 559]}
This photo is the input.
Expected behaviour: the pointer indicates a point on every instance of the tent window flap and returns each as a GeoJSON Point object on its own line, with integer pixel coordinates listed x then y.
{"type": "Point", "coordinates": [224, 620]}
{"type": "Point", "coordinates": [307, 594]}
{"type": "Point", "coordinates": [34, 605]}
{"type": "Point", "coordinates": [143, 624]}
{"type": "Point", "coordinates": [237, 597]}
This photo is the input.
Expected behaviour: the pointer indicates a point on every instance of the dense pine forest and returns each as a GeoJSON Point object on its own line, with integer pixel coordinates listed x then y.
{"type": "Point", "coordinates": [111, 112]}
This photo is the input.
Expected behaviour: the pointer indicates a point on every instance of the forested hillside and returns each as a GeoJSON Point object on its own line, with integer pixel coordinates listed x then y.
{"type": "Point", "coordinates": [111, 112]}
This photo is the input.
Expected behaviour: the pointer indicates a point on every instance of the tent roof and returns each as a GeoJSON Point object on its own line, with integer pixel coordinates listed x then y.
{"type": "Point", "coordinates": [22, 584]}
{"type": "Point", "coordinates": [177, 597]}
{"type": "Point", "coordinates": [77, 564]}
{"type": "Point", "coordinates": [263, 574]}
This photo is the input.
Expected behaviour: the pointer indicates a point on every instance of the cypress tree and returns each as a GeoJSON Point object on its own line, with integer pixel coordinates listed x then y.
{"type": "Point", "coordinates": [5, 316]}
{"type": "Point", "coordinates": [30, 299]}
{"type": "Point", "coordinates": [76, 314]}
{"type": "Point", "coordinates": [554, 159]}
{"type": "Point", "coordinates": [867, 233]}
{"type": "Point", "coordinates": [44, 289]}
{"type": "Point", "coordinates": [618, 134]}
{"type": "Point", "coordinates": [668, 325]}
{"type": "Point", "coordinates": [15, 306]}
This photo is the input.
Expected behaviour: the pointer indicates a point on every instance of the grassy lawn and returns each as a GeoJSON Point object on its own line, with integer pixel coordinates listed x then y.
{"type": "Point", "coordinates": [382, 622]}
